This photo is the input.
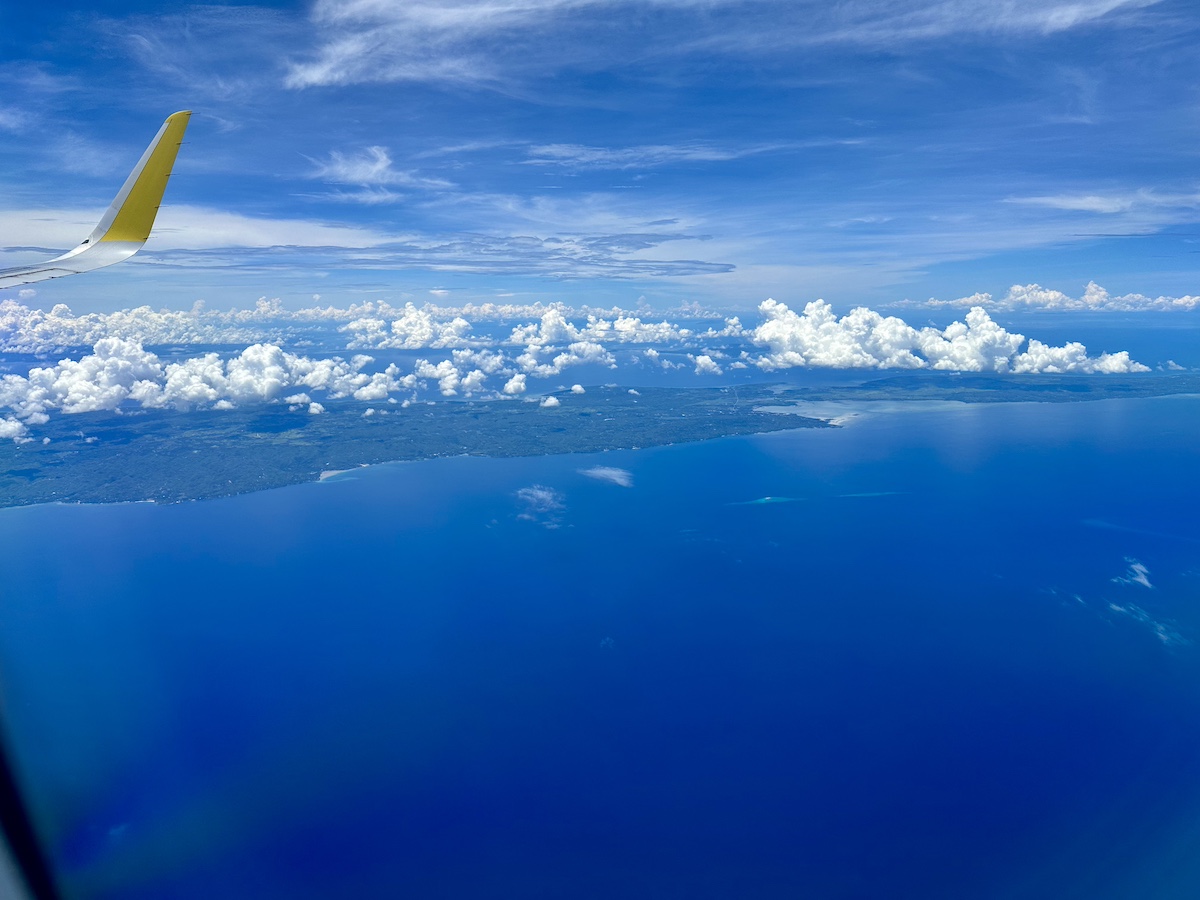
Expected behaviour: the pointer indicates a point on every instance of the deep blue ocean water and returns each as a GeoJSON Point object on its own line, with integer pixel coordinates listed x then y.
{"type": "Point", "coordinates": [953, 655]}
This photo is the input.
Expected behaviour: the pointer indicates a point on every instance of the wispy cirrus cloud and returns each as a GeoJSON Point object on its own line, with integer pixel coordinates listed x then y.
{"type": "Point", "coordinates": [730, 119]}
{"type": "Point", "coordinates": [893, 21]}
{"type": "Point", "coordinates": [612, 246]}
{"type": "Point", "coordinates": [35, 79]}
{"type": "Point", "coordinates": [484, 41]}
{"type": "Point", "coordinates": [1111, 203]}
{"type": "Point", "coordinates": [578, 156]}
{"type": "Point", "coordinates": [371, 167]}
{"type": "Point", "coordinates": [467, 147]}
{"type": "Point", "coordinates": [12, 119]}
{"type": "Point", "coordinates": [651, 156]}
{"type": "Point", "coordinates": [565, 256]}
{"type": "Point", "coordinates": [367, 196]}
{"type": "Point", "coordinates": [204, 48]}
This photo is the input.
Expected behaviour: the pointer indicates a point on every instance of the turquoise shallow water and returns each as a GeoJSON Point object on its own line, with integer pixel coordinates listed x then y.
{"type": "Point", "coordinates": [960, 660]}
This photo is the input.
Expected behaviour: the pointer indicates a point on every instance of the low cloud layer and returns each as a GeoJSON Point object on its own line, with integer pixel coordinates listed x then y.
{"type": "Point", "coordinates": [365, 326]}
{"type": "Point", "coordinates": [481, 351]}
{"type": "Point", "coordinates": [27, 330]}
{"type": "Point", "coordinates": [118, 373]}
{"type": "Point", "coordinates": [1094, 299]}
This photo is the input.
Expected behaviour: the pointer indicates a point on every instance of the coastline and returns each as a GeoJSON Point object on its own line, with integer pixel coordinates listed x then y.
{"type": "Point", "coordinates": [176, 457]}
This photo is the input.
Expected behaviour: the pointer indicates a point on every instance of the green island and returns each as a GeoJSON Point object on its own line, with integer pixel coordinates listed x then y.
{"type": "Point", "coordinates": [171, 456]}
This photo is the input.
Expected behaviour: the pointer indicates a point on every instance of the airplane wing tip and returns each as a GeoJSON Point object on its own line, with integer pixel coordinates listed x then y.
{"type": "Point", "coordinates": [127, 223]}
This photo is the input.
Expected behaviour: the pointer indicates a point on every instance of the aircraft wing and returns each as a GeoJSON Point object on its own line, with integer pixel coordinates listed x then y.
{"type": "Point", "coordinates": [124, 228]}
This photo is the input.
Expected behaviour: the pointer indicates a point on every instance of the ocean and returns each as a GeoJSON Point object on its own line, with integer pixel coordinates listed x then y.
{"type": "Point", "coordinates": [944, 651]}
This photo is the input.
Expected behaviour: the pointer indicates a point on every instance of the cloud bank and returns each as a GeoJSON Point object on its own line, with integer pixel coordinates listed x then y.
{"type": "Point", "coordinates": [865, 339]}
{"type": "Point", "coordinates": [494, 357]}
{"type": "Point", "coordinates": [118, 372]}
{"type": "Point", "coordinates": [1094, 299]}
{"type": "Point", "coordinates": [26, 330]}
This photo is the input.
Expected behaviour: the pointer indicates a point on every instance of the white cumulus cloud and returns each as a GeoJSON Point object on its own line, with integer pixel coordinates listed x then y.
{"type": "Point", "coordinates": [119, 372]}
{"type": "Point", "coordinates": [865, 339]}
{"type": "Point", "coordinates": [413, 329]}
{"type": "Point", "coordinates": [705, 365]}
{"type": "Point", "coordinates": [450, 380]}
{"type": "Point", "coordinates": [11, 428]}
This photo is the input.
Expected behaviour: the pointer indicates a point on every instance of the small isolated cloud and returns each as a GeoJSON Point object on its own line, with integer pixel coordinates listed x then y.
{"type": "Point", "coordinates": [1136, 574]}
{"type": "Point", "coordinates": [515, 385]}
{"type": "Point", "coordinates": [578, 389]}
{"type": "Point", "coordinates": [541, 504]}
{"type": "Point", "coordinates": [705, 364]}
{"type": "Point", "coordinates": [370, 167]}
{"type": "Point", "coordinates": [550, 402]}
{"type": "Point", "coordinates": [1164, 632]}
{"type": "Point", "coordinates": [1079, 203]}
{"type": "Point", "coordinates": [611, 474]}
{"type": "Point", "coordinates": [11, 428]}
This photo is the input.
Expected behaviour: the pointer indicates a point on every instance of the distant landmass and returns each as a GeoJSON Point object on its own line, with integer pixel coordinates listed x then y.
{"type": "Point", "coordinates": [170, 456]}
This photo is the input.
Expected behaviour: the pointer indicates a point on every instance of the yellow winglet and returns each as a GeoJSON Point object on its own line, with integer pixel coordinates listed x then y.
{"type": "Point", "coordinates": [126, 225]}
{"type": "Point", "coordinates": [137, 203]}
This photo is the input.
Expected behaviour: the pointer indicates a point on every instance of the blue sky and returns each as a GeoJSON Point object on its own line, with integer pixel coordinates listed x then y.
{"type": "Point", "coordinates": [660, 152]}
